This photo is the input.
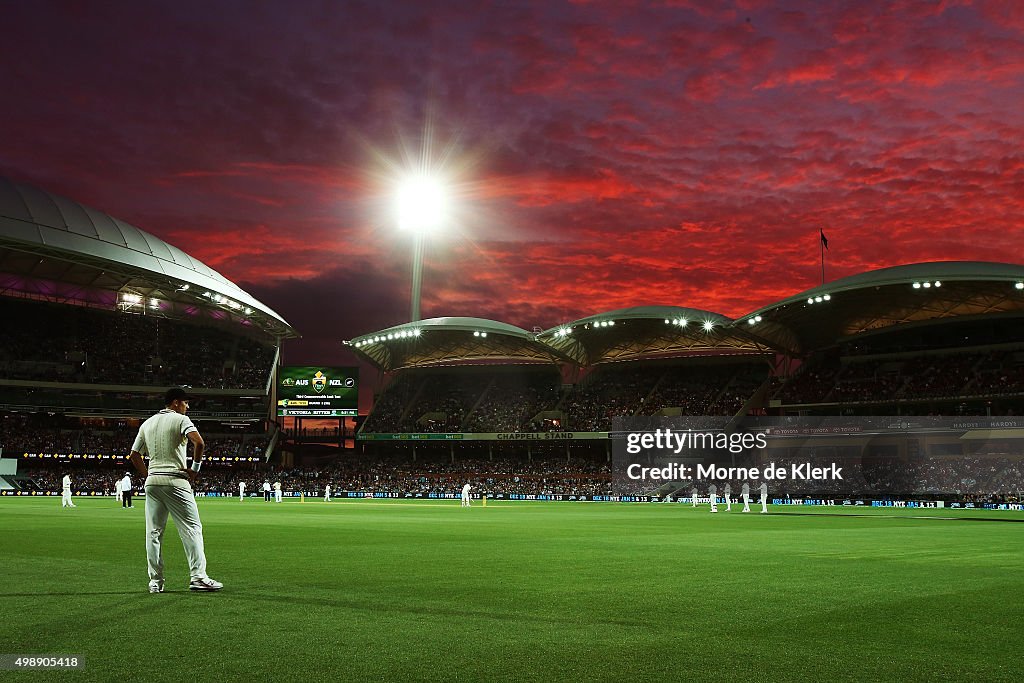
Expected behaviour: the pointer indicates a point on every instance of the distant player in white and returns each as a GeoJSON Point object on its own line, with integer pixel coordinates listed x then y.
{"type": "Point", "coordinates": [728, 497]}
{"type": "Point", "coordinates": [693, 496]}
{"type": "Point", "coordinates": [117, 490]}
{"type": "Point", "coordinates": [465, 495]}
{"type": "Point", "coordinates": [277, 492]}
{"type": "Point", "coordinates": [169, 488]}
{"type": "Point", "coordinates": [266, 491]}
{"type": "Point", "coordinates": [327, 493]}
{"type": "Point", "coordinates": [126, 491]}
{"type": "Point", "coordinates": [713, 495]}
{"type": "Point", "coordinates": [241, 491]}
{"type": "Point", "coordinates": [764, 498]}
{"type": "Point", "coordinates": [745, 493]}
{"type": "Point", "coordinates": [65, 499]}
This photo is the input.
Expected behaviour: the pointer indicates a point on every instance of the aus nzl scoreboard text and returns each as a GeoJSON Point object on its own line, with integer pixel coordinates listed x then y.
{"type": "Point", "coordinates": [317, 391]}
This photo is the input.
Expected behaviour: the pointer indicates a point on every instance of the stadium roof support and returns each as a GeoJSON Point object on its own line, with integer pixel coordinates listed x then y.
{"type": "Point", "coordinates": [651, 331]}
{"type": "Point", "coordinates": [451, 340]}
{"type": "Point", "coordinates": [916, 294]}
{"type": "Point", "coordinates": [54, 248]}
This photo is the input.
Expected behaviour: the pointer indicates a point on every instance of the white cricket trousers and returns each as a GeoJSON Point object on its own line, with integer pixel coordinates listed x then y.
{"type": "Point", "coordinates": [65, 499]}
{"type": "Point", "coordinates": [173, 495]}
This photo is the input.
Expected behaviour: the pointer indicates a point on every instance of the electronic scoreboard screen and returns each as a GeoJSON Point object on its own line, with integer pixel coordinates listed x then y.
{"type": "Point", "coordinates": [317, 391]}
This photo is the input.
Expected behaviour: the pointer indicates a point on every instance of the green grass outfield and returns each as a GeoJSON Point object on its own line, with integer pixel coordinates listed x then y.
{"type": "Point", "coordinates": [371, 590]}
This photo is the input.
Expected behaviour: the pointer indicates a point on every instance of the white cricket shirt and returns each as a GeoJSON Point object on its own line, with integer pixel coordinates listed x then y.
{"type": "Point", "coordinates": [163, 438]}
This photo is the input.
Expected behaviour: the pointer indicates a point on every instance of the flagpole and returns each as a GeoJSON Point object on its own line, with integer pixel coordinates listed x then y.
{"type": "Point", "coordinates": [822, 245]}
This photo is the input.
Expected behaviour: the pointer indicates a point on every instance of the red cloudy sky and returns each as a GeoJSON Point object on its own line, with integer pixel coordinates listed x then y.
{"type": "Point", "coordinates": [600, 154]}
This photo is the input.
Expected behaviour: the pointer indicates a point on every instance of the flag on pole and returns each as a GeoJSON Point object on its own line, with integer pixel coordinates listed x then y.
{"type": "Point", "coordinates": [824, 240]}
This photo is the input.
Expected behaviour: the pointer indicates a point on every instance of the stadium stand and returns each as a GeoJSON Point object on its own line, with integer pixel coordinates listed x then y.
{"type": "Point", "coordinates": [109, 315]}
{"type": "Point", "coordinates": [102, 318]}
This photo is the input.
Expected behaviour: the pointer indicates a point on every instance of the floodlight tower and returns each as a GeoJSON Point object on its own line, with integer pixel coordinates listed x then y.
{"type": "Point", "coordinates": [421, 205]}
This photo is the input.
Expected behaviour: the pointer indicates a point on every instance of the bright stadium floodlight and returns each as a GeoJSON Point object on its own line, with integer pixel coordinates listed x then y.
{"type": "Point", "coordinates": [421, 206]}
{"type": "Point", "coordinates": [708, 325]}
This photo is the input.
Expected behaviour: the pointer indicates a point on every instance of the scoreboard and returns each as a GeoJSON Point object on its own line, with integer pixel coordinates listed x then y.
{"type": "Point", "coordinates": [317, 391]}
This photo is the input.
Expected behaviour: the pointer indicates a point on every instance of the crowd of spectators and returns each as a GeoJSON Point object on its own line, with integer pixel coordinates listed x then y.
{"type": "Point", "coordinates": [35, 433]}
{"type": "Point", "coordinates": [551, 477]}
{"type": "Point", "coordinates": [933, 376]}
{"type": "Point", "coordinates": [464, 401]}
{"type": "Point", "coordinates": [481, 401]}
{"type": "Point", "coordinates": [110, 347]}
{"type": "Point", "coordinates": [964, 478]}
{"type": "Point", "coordinates": [512, 402]}
{"type": "Point", "coordinates": [967, 478]}
{"type": "Point", "coordinates": [611, 391]}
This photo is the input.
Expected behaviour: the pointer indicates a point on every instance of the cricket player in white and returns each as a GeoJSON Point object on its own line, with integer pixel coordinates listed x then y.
{"type": "Point", "coordinates": [65, 498]}
{"type": "Point", "coordinates": [764, 498]}
{"type": "Point", "coordinates": [728, 497]}
{"type": "Point", "coordinates": [713, 495]}
{"type": "Point", "coordinates": [327, 493]}
{"type": "Point", "coordinates": [465, 495]}
{"type": "Point", "coordinates": [745, 493]}
{"type": "Point", "coordinates": [126, 491]}
{"type": "Point", "coordinates": [117, 490]}
{"type": "Point", "coordinates": [693, 496]}
{"type": "Point", "coordinates": [169, 488]}
{"type": "Point", "coordinates": [241, 491]}
{"type": "Point", "coordinates": [277, 492]}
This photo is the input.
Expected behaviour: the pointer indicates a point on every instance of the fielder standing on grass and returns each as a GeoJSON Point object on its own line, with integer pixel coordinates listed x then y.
{"type": "Point", "coordinates": [65, 493]}
{"type": "Point", "coordinates": [764, 498]}
{"type": "Point", "coordinates": [746, 497]}
{"type": "Point", "coordinates": [169, 488]}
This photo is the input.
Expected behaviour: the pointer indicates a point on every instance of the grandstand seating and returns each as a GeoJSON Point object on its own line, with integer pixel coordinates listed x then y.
{"type": "Point", "coordinates": [510, 399]}
{"type": "Point", "coordinates": [90, 346]}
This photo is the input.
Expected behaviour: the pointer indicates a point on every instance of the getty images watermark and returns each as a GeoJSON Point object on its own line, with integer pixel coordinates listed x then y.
{"type": "Point", "coordinates": [713, 445]}
{"type": "Point", "coordinates": [830, 456]}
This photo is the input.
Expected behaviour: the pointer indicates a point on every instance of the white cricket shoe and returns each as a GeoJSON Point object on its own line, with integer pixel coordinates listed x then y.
{"type": "Point", "coordinates": [205, 584]}
{"type": "Point", "coordinates": [156, 586]}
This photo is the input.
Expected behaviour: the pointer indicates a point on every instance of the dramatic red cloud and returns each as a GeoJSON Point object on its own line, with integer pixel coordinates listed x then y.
{"type": "Point", "coordinates": [601, 154]}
